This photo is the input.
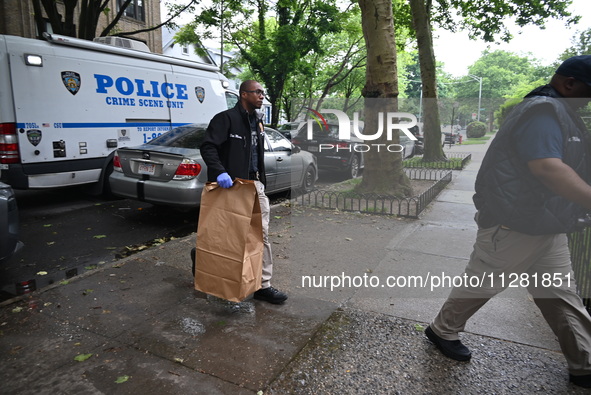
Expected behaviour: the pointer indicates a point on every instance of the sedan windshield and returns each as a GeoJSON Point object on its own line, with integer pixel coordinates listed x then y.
{"type": "Point", "coordinates": [182, 137]}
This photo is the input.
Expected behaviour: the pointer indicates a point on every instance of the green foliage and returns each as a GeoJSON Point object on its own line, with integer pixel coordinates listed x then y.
{"type": "Point", "coordinates": [505, 109]}
{"type": "Point", "coordinates": [476, 129]}
{"type": "Point", "coordinates": [581, 45]}
{"type": "Point", "coordinates": [484, 19]}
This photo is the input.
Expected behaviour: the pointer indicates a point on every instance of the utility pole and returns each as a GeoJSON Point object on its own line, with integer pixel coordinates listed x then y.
{"type": "Point", "coordinates": [479, 79]}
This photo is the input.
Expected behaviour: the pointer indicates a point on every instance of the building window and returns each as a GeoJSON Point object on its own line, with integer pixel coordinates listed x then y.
{"type": "Point", "coordinates": [185, 50]}
{"type": "Point", "coordinates": [134, 10]}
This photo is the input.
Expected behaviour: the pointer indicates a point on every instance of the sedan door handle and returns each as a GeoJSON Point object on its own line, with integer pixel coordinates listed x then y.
{"type": "Point", "coordinates": [279, 159]}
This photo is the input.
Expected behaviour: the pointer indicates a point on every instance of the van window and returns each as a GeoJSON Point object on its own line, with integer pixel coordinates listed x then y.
{"type": "Point", "coordinates": [231, 99]}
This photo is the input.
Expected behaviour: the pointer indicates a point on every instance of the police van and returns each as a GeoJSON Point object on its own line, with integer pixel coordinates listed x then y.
{"type": "Point", "coordinates": [66, 104]}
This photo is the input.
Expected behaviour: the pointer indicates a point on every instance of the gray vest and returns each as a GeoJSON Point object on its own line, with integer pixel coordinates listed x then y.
{"type": "Point", "coordinates": [508, 194]}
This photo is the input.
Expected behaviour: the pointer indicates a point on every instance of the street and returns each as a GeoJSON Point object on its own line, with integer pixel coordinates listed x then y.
{"type": "Point", "coordinates": [67, 232]}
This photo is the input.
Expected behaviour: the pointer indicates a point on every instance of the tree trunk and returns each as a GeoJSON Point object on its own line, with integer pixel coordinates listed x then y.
{"type": "Point", "coordinates": [383, 171]}
{"type": "Point", "coordinates": [431, 122]}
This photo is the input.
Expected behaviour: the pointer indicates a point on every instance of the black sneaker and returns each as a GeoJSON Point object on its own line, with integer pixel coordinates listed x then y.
{"type": "Point", "coordinates": [270, 295]}
{"type": "Point", "coordinates": [453, 349]}
{"type": "Point", "coordinates": [582, 381]}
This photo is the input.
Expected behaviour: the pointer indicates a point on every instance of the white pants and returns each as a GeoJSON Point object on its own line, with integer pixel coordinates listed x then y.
{"type": "Point", "coordinates": [267, 254]}
{"type": "Point", "coordinates": [502, 252]}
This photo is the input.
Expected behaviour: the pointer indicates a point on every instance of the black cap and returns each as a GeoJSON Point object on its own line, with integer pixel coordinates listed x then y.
{"type": "Point", "coordinates": [578, 67]}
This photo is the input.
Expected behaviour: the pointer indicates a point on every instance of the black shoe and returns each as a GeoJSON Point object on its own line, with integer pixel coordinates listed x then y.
{"type": "Point", "coordinates": [453, 349]}
{"type": "Point", "coordinates": [270, 295]}
{"type": "Point", "coordinates": [582, 381]}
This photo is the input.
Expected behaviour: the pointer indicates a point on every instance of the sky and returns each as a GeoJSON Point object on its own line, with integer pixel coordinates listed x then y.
{"type": "Point", "coordinates": [458, 52]}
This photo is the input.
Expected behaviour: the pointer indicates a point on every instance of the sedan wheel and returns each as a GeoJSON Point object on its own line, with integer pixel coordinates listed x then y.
{"type": "Point", "coordinates": [309, 179]}
{"type": "Point", "coordinates": [354, 169]}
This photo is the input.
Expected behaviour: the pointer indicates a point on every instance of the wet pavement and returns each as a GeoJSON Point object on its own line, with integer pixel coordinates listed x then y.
{"type": "Point", "coordinates": [138, 326]}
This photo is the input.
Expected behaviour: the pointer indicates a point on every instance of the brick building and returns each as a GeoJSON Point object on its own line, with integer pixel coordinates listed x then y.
{"type": "Point", "coordinates": [16, 18]}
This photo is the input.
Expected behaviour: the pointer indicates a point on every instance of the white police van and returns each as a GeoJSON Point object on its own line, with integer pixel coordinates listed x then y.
{"type": "Point", "coordinates": [66, 104]}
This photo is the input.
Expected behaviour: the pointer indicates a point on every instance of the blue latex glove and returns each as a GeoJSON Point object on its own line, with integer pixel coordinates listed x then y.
{"type": "Point", "coordinates": [224, 180]}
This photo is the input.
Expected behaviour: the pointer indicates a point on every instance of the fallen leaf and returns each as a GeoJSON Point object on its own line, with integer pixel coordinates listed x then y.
{"type": "Point", "coordinates": [82, 357]}
{"type": "Point", "coordinates": [50, 243]}
{"type": "Point", "coordinates": [99, 236]}
{"type": "Point", "coordinates": [47, 226]}
{"type": "Point", "coordinates": [121, 379]}
{"type": "Point", "coordinates": [42, 273]}
{"type": "Point", "coordinates": [179, 360]}
{"type": "Point", "coordinates": [419, 327]}
{"type": "Point", "coordinates": [17, 309]}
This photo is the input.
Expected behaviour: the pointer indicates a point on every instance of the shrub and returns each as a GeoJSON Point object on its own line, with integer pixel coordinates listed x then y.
{"type": "Point", "coordinates": [504, 110]}
{"type": "Point", "coordinates": [476, 130]}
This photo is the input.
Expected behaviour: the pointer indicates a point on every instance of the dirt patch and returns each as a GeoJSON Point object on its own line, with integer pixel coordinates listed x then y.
{"type": "Point", "coordinates": [342, 196]}
{"type": "Point", "coordinates": [418, 186]}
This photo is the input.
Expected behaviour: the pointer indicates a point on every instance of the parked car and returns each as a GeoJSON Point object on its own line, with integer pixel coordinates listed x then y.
{"type": "Point", "coordinates": [288, 128]}
{"type": "Point", "coordinates": [343, 156]}
{"type": "Point", "coordinates": [451, 138]}
{"type": "Point", "coordinates": [9, 223]}
{"type": "Point", "coordinates": [420, 141]}
{"type": "Point", "coordinates": [169, 170]}
{"type": "Point", "coordinates": [409, 145]}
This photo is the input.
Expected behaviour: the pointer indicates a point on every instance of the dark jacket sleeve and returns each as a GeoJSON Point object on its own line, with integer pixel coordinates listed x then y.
{"type": "Point", "coordinates": [215, 136]}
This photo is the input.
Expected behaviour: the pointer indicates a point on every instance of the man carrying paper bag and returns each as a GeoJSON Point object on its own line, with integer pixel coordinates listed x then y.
{"type": "Point", "coordinates": [233, 148]}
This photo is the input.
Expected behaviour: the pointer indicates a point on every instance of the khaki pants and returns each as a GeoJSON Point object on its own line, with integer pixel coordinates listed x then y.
{"type": "Point", "coordinates": [503, 254]}
{"type": "Point", "coordinates": [267, 254]}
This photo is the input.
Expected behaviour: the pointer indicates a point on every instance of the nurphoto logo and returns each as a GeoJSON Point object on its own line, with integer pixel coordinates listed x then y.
{"type": "Point", "coordinates": [387, 122]}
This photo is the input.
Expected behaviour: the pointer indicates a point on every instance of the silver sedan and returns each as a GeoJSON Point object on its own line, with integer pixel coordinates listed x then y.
{"type": "Point", "coordinates": [169, 170]}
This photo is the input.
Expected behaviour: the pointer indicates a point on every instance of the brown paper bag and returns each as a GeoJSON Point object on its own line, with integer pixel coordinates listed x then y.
{"type": "Point", "coordinates": [229, 255]}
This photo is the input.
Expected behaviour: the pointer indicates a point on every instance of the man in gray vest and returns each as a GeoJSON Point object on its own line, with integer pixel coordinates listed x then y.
{"type": "Point", "coordinates": [532, 188]}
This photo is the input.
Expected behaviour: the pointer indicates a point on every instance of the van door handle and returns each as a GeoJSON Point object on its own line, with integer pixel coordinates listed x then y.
{"type": "Point", "coordinates": [279, 159]}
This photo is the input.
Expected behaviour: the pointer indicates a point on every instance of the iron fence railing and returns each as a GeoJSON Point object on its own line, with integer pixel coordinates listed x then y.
{"type": "Point", "coordinates": [380, 204]}
{"type": "Point", "coordinates": [579, 244]}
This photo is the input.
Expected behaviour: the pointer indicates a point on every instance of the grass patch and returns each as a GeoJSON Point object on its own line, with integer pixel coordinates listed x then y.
{"type": "Point", "coordinates": [478, 140]}
{"type": "Point", "coordinates": [349, 187]}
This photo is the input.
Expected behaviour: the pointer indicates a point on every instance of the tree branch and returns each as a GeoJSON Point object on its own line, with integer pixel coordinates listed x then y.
{"type": "Point", "coordinates": [160, 25]}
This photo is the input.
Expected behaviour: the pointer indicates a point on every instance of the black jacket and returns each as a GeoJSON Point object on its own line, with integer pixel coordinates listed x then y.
{"type": "Point", "coordinates": [508, 194]}
{"type": "Point", "coordinates": [226, 147]}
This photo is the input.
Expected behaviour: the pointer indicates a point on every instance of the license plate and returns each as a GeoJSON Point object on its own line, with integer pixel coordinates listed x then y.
{"type": "Point", "coordinates": [312, 149]}
{"type": "Point", "coordinates": [146, 168]}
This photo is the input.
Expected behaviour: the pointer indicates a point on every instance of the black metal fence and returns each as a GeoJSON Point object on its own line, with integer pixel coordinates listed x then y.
{"type": "Point", "coordinates": [580, 249]}
{"type": "Point", "coordinates": [380, 204]}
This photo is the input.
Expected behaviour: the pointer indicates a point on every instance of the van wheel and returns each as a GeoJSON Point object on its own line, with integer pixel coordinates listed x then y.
{"type": "Point", "coordinates": [309, 179]}
{"type": "Point", "coordinates": [106, 187]}
{"type": "Point", "coordinates": [193, 253]}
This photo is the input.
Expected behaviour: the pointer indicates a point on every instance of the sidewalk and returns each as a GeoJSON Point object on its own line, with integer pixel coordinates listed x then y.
{"type": "Point", "coordinates": [139, 327]}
